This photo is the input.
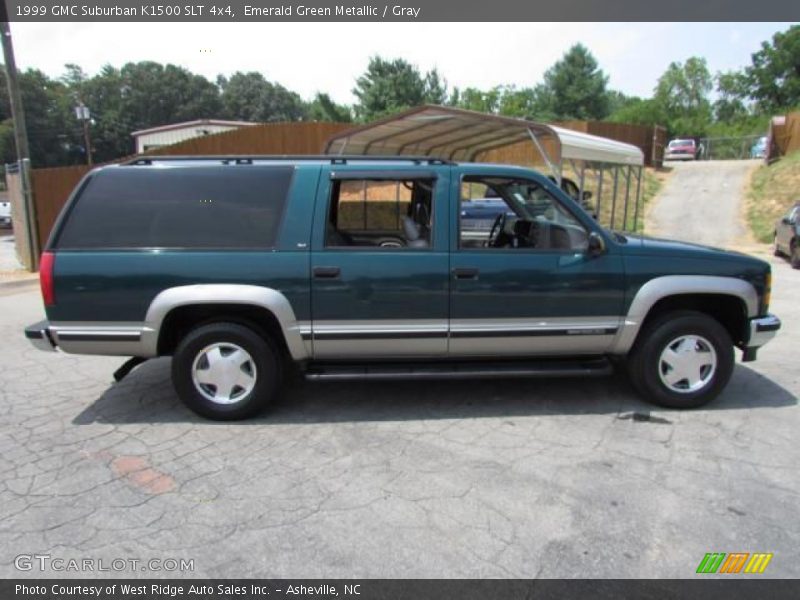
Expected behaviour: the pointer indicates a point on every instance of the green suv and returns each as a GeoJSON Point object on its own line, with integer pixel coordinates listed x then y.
{"type": "Point", "coordinates": [360, 268]}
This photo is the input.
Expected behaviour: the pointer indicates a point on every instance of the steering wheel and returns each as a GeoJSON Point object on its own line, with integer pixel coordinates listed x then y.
{"type": "Point", "coordinates": [497, 227]}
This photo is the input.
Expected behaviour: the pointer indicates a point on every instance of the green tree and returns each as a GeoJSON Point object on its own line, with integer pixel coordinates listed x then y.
{"type": "Point", "coordinates": [155, 94]}
{"type": "Point", "coordinates": [474, 99]}
{"type": "Point", "coordinates": [732, 92]}
{"type": "Point", "coordinates": [518, 102]}
{"type": "Point", "coordinates": [774, 76]}
{"type": "Point", "coordinates": [681, 98]}
{"type": "Point", "coordinates": [250, 97]}
{"type": "Point", "coordinates": [506, 100]}
{"type": "Point", "coordinates": [638, 111]}
{"type": "Point", "coordinates": [322, 108]}
{"type": "Point", "coordinates": [389, 86]}
{"type": "Point", "coordinates": [53, 132]}
{"type": "Point", "coordinates": [574, 87]}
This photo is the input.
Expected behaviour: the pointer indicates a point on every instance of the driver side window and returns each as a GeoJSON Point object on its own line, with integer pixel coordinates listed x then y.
{"type": "Point", "coordinates": [503, 213]}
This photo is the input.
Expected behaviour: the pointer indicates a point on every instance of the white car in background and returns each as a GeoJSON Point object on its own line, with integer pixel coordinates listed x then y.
{"type": "Point", "coordinates": [5, 213]}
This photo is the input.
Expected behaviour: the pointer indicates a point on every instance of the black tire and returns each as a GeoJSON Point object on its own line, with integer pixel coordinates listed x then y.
{"type": "Point", "coordinates": [794, 257]}
{"type": "Point", "coordinates": [264, 368]}
{"type": "Point", "coordinates": [645, 358]}
{"type": "Point", "coordinates": [775, 250]}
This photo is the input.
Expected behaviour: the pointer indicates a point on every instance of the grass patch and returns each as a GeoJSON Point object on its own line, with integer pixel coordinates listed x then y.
{"type": "Point", "coordinates": [614, 216]}
{"type": "Point", "coordinates": [652, 182]}
{"type": "Point", "coordinates": [773, 189]}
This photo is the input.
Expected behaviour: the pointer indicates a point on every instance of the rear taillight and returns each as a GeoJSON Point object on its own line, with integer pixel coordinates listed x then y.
{"type": "Point", "coordinates": [46, 265]}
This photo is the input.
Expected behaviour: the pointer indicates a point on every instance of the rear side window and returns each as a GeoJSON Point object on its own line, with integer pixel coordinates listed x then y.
{"type": "Point", "coordinates": [178, 207]}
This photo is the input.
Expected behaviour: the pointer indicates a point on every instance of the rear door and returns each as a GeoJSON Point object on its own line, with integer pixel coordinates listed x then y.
{"type": "Point", "coordinates": [379, 262]}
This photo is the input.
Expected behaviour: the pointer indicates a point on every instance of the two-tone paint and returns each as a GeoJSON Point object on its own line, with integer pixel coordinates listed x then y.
{"type": "Point", "coordinates": [364, 303]}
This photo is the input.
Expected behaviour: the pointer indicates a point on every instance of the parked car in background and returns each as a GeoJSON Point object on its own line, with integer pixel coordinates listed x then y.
{"type": "Point", "coordinates": [5, 213]}
{"type": "Point", "coordinates": [759, 149]}
{"type": "Point", "coordinates": [787, 236]}
{"type": "Point", "coordinates": [682, 149]}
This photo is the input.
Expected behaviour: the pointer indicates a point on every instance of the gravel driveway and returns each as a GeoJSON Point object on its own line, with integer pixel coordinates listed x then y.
{"type": "Point", "coordinates": [701, 202]}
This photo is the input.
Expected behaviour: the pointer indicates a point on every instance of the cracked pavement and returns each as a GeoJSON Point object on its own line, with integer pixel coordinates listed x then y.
{"type": "Point", "coordinates": [521, 478]}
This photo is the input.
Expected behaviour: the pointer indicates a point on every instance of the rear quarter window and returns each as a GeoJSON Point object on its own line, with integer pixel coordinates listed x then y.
{"type": "Point", "coordinates": [204, 207]}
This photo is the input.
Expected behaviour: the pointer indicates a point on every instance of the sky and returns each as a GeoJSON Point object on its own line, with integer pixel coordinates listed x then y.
{"type": "Point", "coordinates": [328, 57]}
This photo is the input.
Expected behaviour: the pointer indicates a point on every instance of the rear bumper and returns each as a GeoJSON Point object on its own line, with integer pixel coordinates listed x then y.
{"type": "Point", "coordinates": [38, 334]}
{"type": "Point", "coordinates": [98, 338]}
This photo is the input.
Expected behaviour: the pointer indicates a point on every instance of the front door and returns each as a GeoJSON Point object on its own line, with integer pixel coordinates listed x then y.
{"type": "Point", "coordinates": [379, 264]}
{"type": "Point", "coordinates": [528, 286]}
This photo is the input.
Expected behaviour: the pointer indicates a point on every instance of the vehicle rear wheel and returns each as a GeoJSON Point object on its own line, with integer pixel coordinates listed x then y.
{"type": "Point", "coordinates": [683, 359]}
{"type": "Point", "coordinates": [226, 371]}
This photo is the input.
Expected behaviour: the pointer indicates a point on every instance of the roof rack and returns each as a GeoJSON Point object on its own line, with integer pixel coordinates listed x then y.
{"type": "Point", "coordinates": [335, 159]}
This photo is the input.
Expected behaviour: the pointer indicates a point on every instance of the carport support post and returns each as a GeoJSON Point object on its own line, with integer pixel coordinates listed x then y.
{"type": "Point", "coordinates": [614, 198]}
{"type": "Point", "coordinates": [546, 157]}
{"type": "Point", "coordinates": [599, 191]}
{"type": "Point", "coordinates": [580, 188]}
{"type": "Point", "coordinates": [638, 197]}
{"type": "Point", "coordinates": [628, 175]}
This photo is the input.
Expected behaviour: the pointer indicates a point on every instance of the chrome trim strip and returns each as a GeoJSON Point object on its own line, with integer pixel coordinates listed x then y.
{"type": "Point", "coordinates": [376, 335]}
{"type": "Point", "coordinates": [98, 336]}
{"type": "Point", "coordinates": [103, 338]}
{"type": "Point", "coordinates": [532, 332]}
{"type": "Point", "coordinates": [370, 338]}
{"type": "Point", "coordinates": [676, 285]}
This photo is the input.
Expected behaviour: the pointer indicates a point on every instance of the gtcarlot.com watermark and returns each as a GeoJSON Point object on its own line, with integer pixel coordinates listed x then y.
{"type": "Point", "coordinates": [48, 562]}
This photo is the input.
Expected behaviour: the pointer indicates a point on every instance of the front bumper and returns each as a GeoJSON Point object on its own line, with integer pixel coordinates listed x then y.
{"type": "Point", "coordinates": [38, 334]}
{"type": "Point", "coordinates": [762, 330]}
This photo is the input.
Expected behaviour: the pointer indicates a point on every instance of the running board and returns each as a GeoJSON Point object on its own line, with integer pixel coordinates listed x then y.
{"type": "Point", "coordinates": [466, 370]}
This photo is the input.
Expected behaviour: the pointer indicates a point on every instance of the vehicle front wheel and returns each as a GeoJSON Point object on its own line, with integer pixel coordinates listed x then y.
{"type": "Point", "coordinates": [225, 371]}
{"type": "Point", "coordinates": [683, 359]}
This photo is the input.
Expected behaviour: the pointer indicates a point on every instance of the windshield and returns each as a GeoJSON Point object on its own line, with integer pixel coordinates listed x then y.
{"type": "Point", "coordinates": [674, 143]}
{"type": "Point", "coordinates": [528, 200]}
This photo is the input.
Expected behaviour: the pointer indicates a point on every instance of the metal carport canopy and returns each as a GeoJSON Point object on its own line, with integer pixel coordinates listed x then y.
{"type": "Point", "coordinates": [457, 134]}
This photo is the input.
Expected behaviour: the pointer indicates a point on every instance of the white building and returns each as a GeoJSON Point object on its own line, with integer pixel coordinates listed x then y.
{"type": "Point", "coordinates": [155, 137]}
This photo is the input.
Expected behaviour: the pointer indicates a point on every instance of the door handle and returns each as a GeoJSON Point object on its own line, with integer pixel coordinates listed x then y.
{"type": "Point", "coordinates": [326, 272]}
{"type": "Point", "coordinates": [465, 273]}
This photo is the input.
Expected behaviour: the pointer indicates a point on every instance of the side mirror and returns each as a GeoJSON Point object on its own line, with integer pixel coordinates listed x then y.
{"type": "Point", "coordinates": [597, 244]}
{"type": "Point", "coordinates": [786, 221]}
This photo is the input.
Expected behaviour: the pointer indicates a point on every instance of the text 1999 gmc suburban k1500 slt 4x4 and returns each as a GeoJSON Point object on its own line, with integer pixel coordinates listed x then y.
{"type": "Point", "coordinates": [359, 267]}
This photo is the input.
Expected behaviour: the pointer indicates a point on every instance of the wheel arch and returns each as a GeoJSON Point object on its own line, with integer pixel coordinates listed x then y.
{"type": "Point", "coordinates": [175, 309]}
{"type": "Point", "coordinates": [728, 300]}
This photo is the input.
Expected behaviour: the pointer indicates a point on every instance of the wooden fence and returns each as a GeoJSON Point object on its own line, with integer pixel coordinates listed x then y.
{"type": "Point", "coordinates": [785, 136]}
{"type": "Point", "coordinates": [651, 140]}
